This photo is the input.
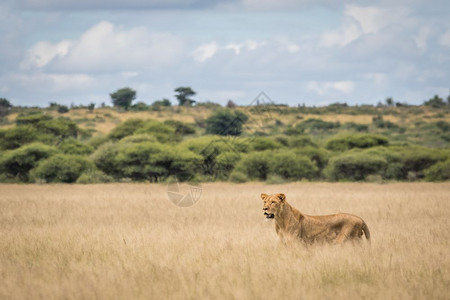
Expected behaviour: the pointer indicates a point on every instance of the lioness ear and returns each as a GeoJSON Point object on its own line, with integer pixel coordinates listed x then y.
{"type": "Point", "coordinates": [263, 196]}
{"type": "Point", "coordinates": [282, 197]}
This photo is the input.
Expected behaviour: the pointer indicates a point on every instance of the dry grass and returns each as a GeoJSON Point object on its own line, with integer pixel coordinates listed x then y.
{"type": "Point", "coordinates": [127, 241]}
{"type": "Point", "coordinates": [185, 114]}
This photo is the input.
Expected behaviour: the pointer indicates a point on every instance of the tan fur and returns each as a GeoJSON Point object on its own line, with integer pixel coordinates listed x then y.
{"type": "Point", "coordinates": [290, 223]}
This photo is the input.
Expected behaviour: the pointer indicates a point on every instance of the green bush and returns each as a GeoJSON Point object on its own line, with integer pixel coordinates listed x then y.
{"type": "Point", "coordinates": [405, 162]}
{"type": "Point", "coordinates": [208, 148]}
{"type": "Point", "coordinates": [276, 179]}
{"type": "Point", "coordinates": [226, 122]}
{"type": "Point", "coordinates": [347, 142]}
{"type": "Point", "coordinates": [184, 164]}
{"type": "Point", "coordinates": [293, 131]}
{"type": "Point", "coordinates": [97, 141]}
{"type": "Point", "coordinates": [62, 109]}
{"type": "Point", "coordinates": [18, 136]}
{"type": "Point", "coordinates": [62, 168]}
{"type": "Point", "coordinates": [138, 138]}
{"type": "Point", "coordinates": [17, 163]}
{"type": "Point", "coordinates": [355, 165]}
{"type": "Point", "coordinates": [291, 166]}
{"type": "Point", "coordinates": [255, 165]}
{"type": "Point", "coordinates": [32, 118]}
{"type": "Point", "coordinates": [264, 143]}
{"type": "Point", "coordinates": [126, 128]}
{"type": "Point", "coordinates": [379, 122]}
{"type": "Point", "coordinates": [180, 127]}
{"type": "Point", "coordinates": [105, 158]}
{"type": "Point", "coordinates": [301, 141]}
{"type": "Point", "coordinates": [94, 176]}
{"type": "Point", "coordinates": [438, 172]}
{"type": "Point", "coordinates": [61, 128]}
{"type": "Point", "coordinates": [238, 177]}
{"type": "Point", "coordinates": [318, 155]}
{"type": "Point", "coordinates": [161, 103]}
{"type": "Point", "coordinates": [225, 163]}
{"type": "Point", "coordinates": [413, 159]}
{"type": "Point", "coordinates": [162, 132]}
{"type": "Point", "coordinates": [140, 106]}
{"type": "Point", "coordinates": [75, 147]}
{"type": "Point", "coordinates": [318, 125]}
{"type": "Point", "coordinates": [155, 162]}
{"type": "Point", "coordinates": [357, 127]}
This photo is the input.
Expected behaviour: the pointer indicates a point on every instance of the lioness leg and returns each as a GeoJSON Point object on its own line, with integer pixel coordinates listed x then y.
{"type": "Point", "coordinates": [343, 235]}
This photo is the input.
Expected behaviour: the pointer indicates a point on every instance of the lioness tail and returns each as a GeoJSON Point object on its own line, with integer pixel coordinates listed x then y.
{"type": "Point", "coordinates": [366, 231]}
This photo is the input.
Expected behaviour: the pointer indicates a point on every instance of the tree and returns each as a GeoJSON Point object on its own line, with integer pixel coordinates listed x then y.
{"type": "Point", "coordinates": [62, 109]}
{"type": "Point", "coordinates": [17, 163]}
{"type": "Point", "coordinates": [158, 104]}
{"type": "Point", "coordinates": [91, 106]}
{"type": "Point", "coordinates": [389, 101]}
{"type": "Point", "coordinates": [231, 104]}
{"type": "Point", "coordinates": [123, 97]}
{"type": "Point", "coordinates": [226, 122]}
{"type": "Point", "coordinates": [62, 168]}
{"type": "Point", "coordinates": [183, 94]}
{"type": "Point", "coordinates": [162, 102]}
{"type": "Point", "coordinates": [5, 105]}
{"type": "Point", "coordinates": [436, 102]}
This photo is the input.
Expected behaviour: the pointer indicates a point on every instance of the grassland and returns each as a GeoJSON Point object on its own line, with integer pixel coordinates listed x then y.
{"type": "Point", "coordinates": [103, 120]}
{"type": "Point", "coordinates": [127, 241]}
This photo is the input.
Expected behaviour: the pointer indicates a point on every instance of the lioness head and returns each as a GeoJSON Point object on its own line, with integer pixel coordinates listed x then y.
{"type": "Point", "coordinates": [272, 204]}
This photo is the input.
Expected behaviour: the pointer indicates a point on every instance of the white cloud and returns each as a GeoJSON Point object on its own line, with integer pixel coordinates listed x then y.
{"type": "Point", "coordinates": [322, 88]}
{"type": "Point", "coordinates": [129, 75]}
{"type": "Point", "coordinates": [378, 78]}
{"type": "Point", "coordinates": [248, 45]}
{"type": "Point", "coordinates": [445, 39]}
{"type": "Point", "coordinates": [205, 51]}
{"type": "Point", "coordinates": [422, 37]}
{"type": "Point", "coordinates": [42, 53]}
{"type": "Point", "coordinates": [370, 18]}
{"type": "Point", "coordinates": [55, 82]}
{"type": "Point", "coordinates": [106, 47]}
{"type": "Point", "coordinates": [365, 20]}
{"type": "Point", "coordinates": [349, 32]}
{"type": "Point", "coordinates": [271, 5]}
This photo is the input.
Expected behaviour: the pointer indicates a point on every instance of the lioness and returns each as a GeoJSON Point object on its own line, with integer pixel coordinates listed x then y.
{"type": "Point", "coordinates": [291, 223]}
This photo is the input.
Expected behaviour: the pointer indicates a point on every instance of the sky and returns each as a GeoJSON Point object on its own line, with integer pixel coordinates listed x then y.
{"type": "Point", "coordinates": [312, 52]}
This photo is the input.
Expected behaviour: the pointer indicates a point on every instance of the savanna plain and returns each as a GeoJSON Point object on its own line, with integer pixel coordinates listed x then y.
{"type": "Point", "coordinates": [128, 241]}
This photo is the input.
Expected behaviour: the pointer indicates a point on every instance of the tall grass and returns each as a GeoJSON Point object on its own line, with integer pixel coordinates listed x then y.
{"type": "Point", "coordinates": [125, 241]}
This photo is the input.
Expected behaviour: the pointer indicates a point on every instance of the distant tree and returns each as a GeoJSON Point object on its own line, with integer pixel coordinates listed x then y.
{"type": "Point", "coordinates": [436, 102]}
{"type": "Point", "coordinates": [91, 106]}
{"type": "Point", "coordinates": [231, 104]}
{"type": "Point", "coordinates": [400, 104]}
{"type": "Point", "coordinates": [226, 122]}
{"type": "Point", "coordinates": [389, 101]}
{"type": "Point", "coordinates": [62, 109]}
{"type": "Point", "coordinates": [123, 97]}
{"type": "Point", "coordinates": [5, 106]}
{"type": "Point", "coordinates": [208, 104]}
{"type": "Point", "coordinates": [183, 94]}
{"type": "Point", "coordinates": [140, 106]}
{"type": "Point", "coordinates": [163, 102]}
